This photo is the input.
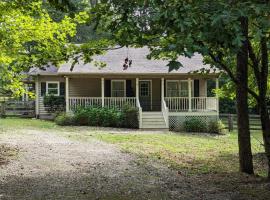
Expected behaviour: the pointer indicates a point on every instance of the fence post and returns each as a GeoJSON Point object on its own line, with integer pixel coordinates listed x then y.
{"type": "Point", "coordinates": [3, 110]}
{"type": "Point", "coordinates": [230, 122]}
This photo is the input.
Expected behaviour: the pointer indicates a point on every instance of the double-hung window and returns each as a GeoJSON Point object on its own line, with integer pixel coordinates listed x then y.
{"type": "Point", "coordinates": [183, 88]}
{"type": "Point", "coordinates": [52, 88]}
{"type": "Point", "coordinates": [172, 89]}
{"type": "Point", "coordinates": [177, 88]}
{"type": "Point", "coordinates": [118, 88]}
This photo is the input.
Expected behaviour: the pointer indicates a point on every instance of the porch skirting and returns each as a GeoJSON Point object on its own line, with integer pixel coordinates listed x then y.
{"type": "Point", "coordinates": [177, 120]}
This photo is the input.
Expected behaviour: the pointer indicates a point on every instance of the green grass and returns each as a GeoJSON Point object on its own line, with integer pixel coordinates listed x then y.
{"type": "Point", "coordinates": [195, 153]}
{"type": "Point", "coordinates": [213, 159]}
{"type": "Point", "coordinates": [26, 123]}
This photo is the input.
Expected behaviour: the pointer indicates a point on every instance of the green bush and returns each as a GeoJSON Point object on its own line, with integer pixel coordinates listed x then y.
{"type": "Point", "coordinates": [216, 127]}
{"type": "Point", "coordinates": [96, 116]}
{"type": "Point", "coordinates": [195, 125]}
{"type": "Point", "coordinates": [64, 119]}
{"type": "Point", "coordinates": [54, 103]}
{"type": "Point", "coordinates": [81, 116]}
{"type": "Point", "coordinates": [130, 117]}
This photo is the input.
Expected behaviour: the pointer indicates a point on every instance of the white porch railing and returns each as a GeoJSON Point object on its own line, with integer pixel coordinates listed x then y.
{"type": "Point", "coordinates": [204, 103]}
{"type": "Point", "coordinates": [119, 102]}
{"type": "Point", "coordinates": [181, 104]}
{"type": "Point", "coordinates": [165, 112]}
{"type": "Point", "coordinates": [111, 102]}
{"type": "Point", "coordinates": [177, 103]}
{"type": "Point", "coordinates": [76, 102]}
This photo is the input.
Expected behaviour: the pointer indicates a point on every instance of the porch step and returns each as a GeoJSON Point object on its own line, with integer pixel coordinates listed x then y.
{"type": "Point", "coordinates": [153, 120]}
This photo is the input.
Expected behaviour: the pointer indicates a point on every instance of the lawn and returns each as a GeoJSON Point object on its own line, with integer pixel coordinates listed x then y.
{"type": "Point", "coordinates": [208, 158]}
{"type": "Point", "coordinates": [194, 153]}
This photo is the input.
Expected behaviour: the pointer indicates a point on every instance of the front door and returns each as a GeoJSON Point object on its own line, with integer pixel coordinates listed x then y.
{"type": "Point", "coordinates": [145, 95]}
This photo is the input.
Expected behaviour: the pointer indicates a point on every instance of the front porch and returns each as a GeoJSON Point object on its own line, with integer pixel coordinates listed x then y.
{"type": "Point", "coordinates": [159, 97]}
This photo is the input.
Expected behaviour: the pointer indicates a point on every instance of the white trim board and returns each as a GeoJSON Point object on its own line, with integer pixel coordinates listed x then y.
{"type": "Point", "coordinates": [58, 85]}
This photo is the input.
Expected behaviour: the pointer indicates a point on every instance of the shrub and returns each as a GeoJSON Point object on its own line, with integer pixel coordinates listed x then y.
{"type": "Point", "coordinates": [96, 116]}
{"type": "Point", "coordinates": [195, 125]}
{"type": "Point", "coordinates": [216, 127]}
{"type": "Point", "coordinates": [64, 119]}
{"type": "Point", "coordinates": [81, 116]}
{"type": "Point", "coordinates": [54, 103]}
{"type": "Point", "coordinates": [130, 117]}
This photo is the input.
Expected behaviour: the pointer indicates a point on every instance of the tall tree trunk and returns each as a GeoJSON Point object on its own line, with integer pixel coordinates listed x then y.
{"type": "Point", "coordinates": [262, 100]}
{"type": "Point", "coordinates": [245, 153]}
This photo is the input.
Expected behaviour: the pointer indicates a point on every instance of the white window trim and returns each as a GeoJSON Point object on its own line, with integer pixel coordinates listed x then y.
{"type": "Point", "coordinates": [124, 81]}
{"type": "Point", "coordinates": [58, 87]}
{"type": "Point", "coordinates": [179, 81]}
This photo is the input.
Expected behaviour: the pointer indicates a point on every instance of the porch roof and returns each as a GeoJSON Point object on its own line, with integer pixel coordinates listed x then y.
{"type": "Point", "coordinates": [114, 60]}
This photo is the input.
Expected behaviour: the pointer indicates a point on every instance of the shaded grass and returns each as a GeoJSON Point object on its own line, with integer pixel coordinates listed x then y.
{"type": "Point", "coordinates": [17, 123]}
{"type": "Point", "coordinates": [193, 152]}
{"type": "Point", "coordinates": [211, 159]}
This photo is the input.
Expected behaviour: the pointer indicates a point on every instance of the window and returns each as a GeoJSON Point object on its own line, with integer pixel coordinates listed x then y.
{"type": "Point", "coordinates": [144, 88]}
{"type": "Point", "coordinates": [118, 88]}
{"type": "Point", "coordinates": [183, 88]}
{"type": "Point", "coordinates": [175, 88]}
{"type": "Point", "coordinates": [172, 88]}
{"type": "Point", "coordinates": [52, 88]}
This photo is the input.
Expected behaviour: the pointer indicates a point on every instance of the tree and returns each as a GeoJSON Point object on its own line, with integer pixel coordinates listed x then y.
{"type": "Point", "coordinates": [218, 30]}
{"type": "Point", "coordinates": [29, 37]}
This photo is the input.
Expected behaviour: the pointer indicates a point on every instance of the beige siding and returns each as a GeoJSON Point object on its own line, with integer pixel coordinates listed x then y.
{"type": "Point", "coordinates": [91, 87]}
{"type": "Point", "coordinates": [42, 110]}
{"type": "Point", "coordinates": [85, 87]}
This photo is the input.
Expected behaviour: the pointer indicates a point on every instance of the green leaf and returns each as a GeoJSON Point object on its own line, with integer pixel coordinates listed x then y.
{"type": "Point", "coordinates": [174, 65]}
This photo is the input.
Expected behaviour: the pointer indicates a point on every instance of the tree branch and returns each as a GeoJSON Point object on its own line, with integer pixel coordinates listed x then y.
{"type": "Point", "coordinates": [230, 73]}
{"type": "Point", "coordinates": [255, 63]}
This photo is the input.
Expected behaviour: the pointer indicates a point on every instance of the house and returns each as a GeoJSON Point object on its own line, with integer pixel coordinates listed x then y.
{"type": "Point", "coordinates": [164, 99]}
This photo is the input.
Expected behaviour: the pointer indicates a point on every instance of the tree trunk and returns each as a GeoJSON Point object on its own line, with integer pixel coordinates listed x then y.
{"type": "Point", "coordinates": [245, 153]}
{"type": "Point", "coordinates": [262, 100]}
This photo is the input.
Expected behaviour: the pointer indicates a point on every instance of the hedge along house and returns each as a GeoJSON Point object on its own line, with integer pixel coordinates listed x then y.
{"type": "Point", "coordinates": [164, 99]}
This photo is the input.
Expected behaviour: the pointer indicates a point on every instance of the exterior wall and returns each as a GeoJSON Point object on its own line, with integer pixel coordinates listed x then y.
{"type": "Point", "coordinates": [85, 87]}
{"type": "Point", "coordinates": [41, 109]}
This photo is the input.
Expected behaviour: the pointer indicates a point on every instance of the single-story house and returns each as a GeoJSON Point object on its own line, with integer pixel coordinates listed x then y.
{"type": "Point", "coordinates": [164, 99]}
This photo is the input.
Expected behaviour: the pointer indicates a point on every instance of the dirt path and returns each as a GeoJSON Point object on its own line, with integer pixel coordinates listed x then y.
{"type": "Point", "coordinates": [50, 166]}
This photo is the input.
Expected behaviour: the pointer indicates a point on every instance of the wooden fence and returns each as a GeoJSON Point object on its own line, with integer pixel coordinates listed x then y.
{"type": "Point", "coordinates": [17, 108]}
{"type": "Point", "coordinates": [230, 121]}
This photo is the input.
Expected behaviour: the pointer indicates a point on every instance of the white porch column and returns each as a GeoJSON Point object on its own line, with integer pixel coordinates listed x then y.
{"type": "Point", "coordinates": [102, 92]}
{"type": "Point", "coordinates": [137, 88]}
{"type": "Point", "coordinates": [162, 90]}
{"type": "Point", "coordinates": [37, 97]}
{"type": "Point", "coordinates": [67, 94]}
{"type": "Point", "coordinates": [217, 87]}
{"type": "Point", "coordinates": [189, 95]}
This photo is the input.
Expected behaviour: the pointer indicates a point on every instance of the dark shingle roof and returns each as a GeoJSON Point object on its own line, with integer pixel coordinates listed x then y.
{"type": "Point", "coordinates": [114, 60]}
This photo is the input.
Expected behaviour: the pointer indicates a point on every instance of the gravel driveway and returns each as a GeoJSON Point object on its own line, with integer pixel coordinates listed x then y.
{"type": "Point", "coordinates": [52, 166]}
